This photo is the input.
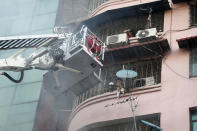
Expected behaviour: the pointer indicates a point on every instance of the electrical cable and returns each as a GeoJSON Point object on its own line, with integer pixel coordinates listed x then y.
{"type": "Point", "coordinates": [12, 79]}
{"type": "Point", "coordinates": [21, 74]}
{"type": "Point", "coordinates": [171, 28]}
{"type": "Point", "coordinates": [175, 71]}
{"type": "Point", "coordinates": [178, 74]}
{"type": "Point", "coordinates": [165, 57]}
{"type": "Point", "coordinates": [169, 31]}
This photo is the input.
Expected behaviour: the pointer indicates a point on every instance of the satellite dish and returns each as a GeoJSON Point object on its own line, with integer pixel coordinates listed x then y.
{"type": "Point", "coordinates": [126, 74]}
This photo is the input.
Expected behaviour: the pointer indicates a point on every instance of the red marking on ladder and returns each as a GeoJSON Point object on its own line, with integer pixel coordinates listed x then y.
{"type": "Point", "coordinates": [89, 50]}
{"type": "Point", "coordinates": [96, 57]}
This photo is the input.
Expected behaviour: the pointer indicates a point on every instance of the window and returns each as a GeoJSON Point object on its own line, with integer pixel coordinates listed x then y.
{"type": "Point", "coordinates": [193, 13]}
{"type": "Point", "coordinates": [193, 120]}
{"type": "Point", "coordinates": [193, 62]}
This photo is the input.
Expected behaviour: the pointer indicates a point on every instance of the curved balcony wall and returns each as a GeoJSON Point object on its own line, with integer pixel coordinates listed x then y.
{"type": "Point", "coordinates": [93, 4]}
{"type": "Point", "coordinates": [106, 107]}
{"type": "Point", "coordinates": [99, 6]}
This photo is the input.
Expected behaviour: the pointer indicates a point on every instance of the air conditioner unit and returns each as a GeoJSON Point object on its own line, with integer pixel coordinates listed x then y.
{"type": "Point", "coordinates": [147, 35]}
{"type": "Point", "coordinates": [117, 39]}
{"type": "Point", "coordinates": [148, 81]}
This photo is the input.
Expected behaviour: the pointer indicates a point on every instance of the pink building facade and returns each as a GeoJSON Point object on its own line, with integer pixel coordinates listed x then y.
{"type": "Point", "coordinates": [172, 100]}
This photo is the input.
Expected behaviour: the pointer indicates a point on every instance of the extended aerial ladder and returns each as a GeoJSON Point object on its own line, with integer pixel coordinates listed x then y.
{"type": "Point", "coordinates": [80, 55]}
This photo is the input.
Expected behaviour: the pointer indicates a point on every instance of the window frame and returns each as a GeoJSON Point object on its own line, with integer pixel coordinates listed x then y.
{"type": "Point", "coordinates": [193, 13]}
{"type": "Point", "coordinates": [192, 111]}
{"type": "Point", "coordinates": [193, 51]}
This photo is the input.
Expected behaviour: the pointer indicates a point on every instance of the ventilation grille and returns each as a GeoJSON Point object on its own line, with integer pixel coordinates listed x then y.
{"type": "Point", "coordinates": [115, 39]}
{"type": "Point", "coordinates": [147, 35]}
{"type": "Point", "coordinates": [143, 34]}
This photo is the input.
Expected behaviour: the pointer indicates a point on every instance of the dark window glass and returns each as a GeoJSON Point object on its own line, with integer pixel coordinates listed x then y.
{"type": "Point", "coordinates": [193, 117]}
{"type": "Point", "coordinates": [193, 13]}
{"type": "Point", "coordinates": [193, 62]}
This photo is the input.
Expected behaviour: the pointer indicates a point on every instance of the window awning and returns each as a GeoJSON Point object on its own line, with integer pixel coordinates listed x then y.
{"type": "Point", "coordinates": [187, 42]}
{"type": "Point", "coordinates": [115, 14]}
{"type": "Point", "coordinates": [137, 51]}
{"type": "Point", "coordinates": [29, 41]}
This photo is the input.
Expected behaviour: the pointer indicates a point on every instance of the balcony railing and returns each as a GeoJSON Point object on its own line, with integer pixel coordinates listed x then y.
{"type": "Point", "coordinates": [149, 73]}
{"type": "Point", "coordinates": [93, 4]}
{"type": "Point", "coordinates": [134, 23]}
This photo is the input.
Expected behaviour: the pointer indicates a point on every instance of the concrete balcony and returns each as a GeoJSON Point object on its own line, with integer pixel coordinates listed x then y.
{"type": "Point", "coordinates": [101, 7]}
{"type": "Point", "coordinates": [100, 108]}
{"type": "Point", "coordinates": [111, 10]}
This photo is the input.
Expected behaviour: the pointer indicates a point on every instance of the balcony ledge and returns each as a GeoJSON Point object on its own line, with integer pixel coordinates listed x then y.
{"type": "Point", "coordinates": [115, 10]}
{"type": "Point", "coordinates": [112, 95]}
{"type": "Point", "coordinates": [117, 4]}
{"type": "Point", "coordinates": [137, 51]}
{"type": "Point", "coordinates": [136, 43]}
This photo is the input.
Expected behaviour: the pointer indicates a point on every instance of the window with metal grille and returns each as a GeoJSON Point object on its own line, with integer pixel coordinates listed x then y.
{"type": "Point", "coordinates": [193, 62]}
{"type": "Point", "coordinates": [193, 13]}
{"type": "Point", "coordinates": [193, 119]}
{"type": "Point", "coordinates": [149, 73]}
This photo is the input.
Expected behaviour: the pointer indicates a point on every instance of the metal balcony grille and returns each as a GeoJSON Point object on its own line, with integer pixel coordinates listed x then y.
{"type": "Point", "coordinates": [134, 23]}
{"type": "Point", "coordinates": [146, 69]}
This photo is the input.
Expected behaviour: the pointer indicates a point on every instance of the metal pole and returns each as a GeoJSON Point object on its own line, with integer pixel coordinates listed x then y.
{"type": "Point", "coordinates": [134, 120]}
